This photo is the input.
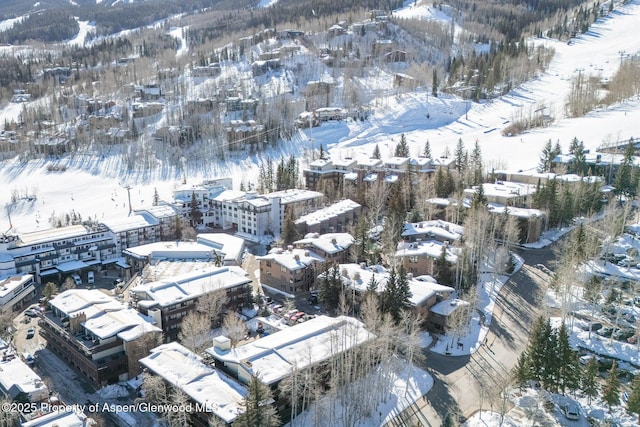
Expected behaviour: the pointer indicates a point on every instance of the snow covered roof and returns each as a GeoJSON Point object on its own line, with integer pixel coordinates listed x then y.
{"type": "Point", "coordinates": [294, 195]}
{"type": "Point", "coordinates": [17, 377]}
{"type": "Point", "coordinates": [292, 258]}
{"type": "Point", "coordinates": [171, 249]}
{"type": "Point", "coordinates": [443, 229]}
{"type": "Point", "coordinates": [184, 370]}
{"type": "Point", "coordinates": [329, 243]}
{"type": "Point", "coordinates": [58, 419]}
{"type": "Point", "coordinates": [306, 344]}
{"type": "Point", "coordinates": [431, 248]}
{"type": "Point", "coordinates": [443, 161]}
{"type": "Point", "coordinates": [230, 246]}
{"type": "Point", "coordinates": [105, 316]}
{"type": "Point", "coordinates": [162, 210]}
{"type": "Point", "coordinates": [503, 189]}
{"type": "Point", "coordinates": [359, 277]}
{"type": "Point", "coordinates": [328, 212]}
{"type": "Point", "coordinates": [447, 307]}
{"type": "Point", "coordinates": [191, 285]}
{"type": "Point", "coordinates": [517, 212]}
{"type": "Point", "coordinates": [132, 222]}
{"type": "Point", "coordinates": [46, 236]}
{"type": "Point", "coordinates": [369, 162]}
{"type": "Point", "coordinates": [12, 283]}
{"type": "Point", "coordinates": [396, 162]}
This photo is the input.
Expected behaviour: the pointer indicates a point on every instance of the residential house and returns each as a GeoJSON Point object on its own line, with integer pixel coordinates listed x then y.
{"type": "Point", "coordinates": [17, 379]}
{"type": "Point", "coordinates": [333, 247]}
{"type": "Point", "coordinates": [441, 312]}
{"type": "Point", "coordinates": [441, 231]}
{"type": "Point", "coordinates": [505, 193]}
{"type": "Point", "coordinates": [324, 174]}
{"type": "Point", "coordinates": [289, 270]}
{"type": "Point", "coordinates": [333, 218]}
{"type": "Point", "coordinates": [425, 291]}
{"type": "Point", "coordinates": [420, 258]}
{"type": "Point", "coordinates": [98, 335]}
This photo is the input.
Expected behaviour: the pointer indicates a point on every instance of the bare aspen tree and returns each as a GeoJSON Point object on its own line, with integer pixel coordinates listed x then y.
{"type": "Point", "coordinates": [194, 330]}
{"type": "Point", "coordinates": [154, 389]}
{"type": "Point", "coordinates": [234, 328]}
{"type": "Point", "coordinates": [181, 416]}
{"type": "Point", "coordinates": [211, 305]}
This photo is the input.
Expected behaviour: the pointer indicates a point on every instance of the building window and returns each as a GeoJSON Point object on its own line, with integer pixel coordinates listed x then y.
{"type": "Point", "coordinates": [413, 258]}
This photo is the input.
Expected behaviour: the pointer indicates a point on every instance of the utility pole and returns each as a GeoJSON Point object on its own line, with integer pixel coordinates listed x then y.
{"type": "Point", "coordinates": [128, 187]}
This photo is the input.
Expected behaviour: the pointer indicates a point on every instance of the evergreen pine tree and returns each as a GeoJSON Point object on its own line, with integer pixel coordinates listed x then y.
{"type": "Point", "coordinates": [568, 370]}
{"type": "Point", "coordinates": [194, 213]}
{"type": "Point", "coordinates": [372, 286]}
{"type": "Point", "coordinates": [611, 387]}
{"type": "Point", "coordinates": [459, 156]}
{"type": "Point", "coordinates": [546, 158]}
{"type": "Point", "coordinates": [589, 379]}
{"type": "Point", "coordinates": [521, 371]}
{"type": "Point", "coordinates": [289, 232]}
{"type": "Point", "coordinates": [443, 269]}
{"type": "Point", "coordinates": [376, 152]}
{"type": "Point", "coordinates": [330, 286]}
{"type": "Point", "coordinates": [573, 146]}
{"type": "Point", "coordinates": [538, 348]}
{"type": "Point", "coordinates": [156, 197]}
{"type": "Point", "coordinates": [479, 199]}
{"type": "Point", "coordinates": [441, 184]}
{"type": "Point", "coordinates": [557, 150]}
{"type": "Point", "coordinates": [633, 404]}
{"type": "Point", "coordinates": [258, 411]}
{"type": "Point", "coordinates": [396, 294]}
{"type": "Point", "coordinates": [476, 165]}
{"type": "Point", "coordinates": [434, 83]}
{"type": "Point", "coordinates": [427, 150]}
{"type": "Point", "coordinates": [625, 182]}
{"type": "Point", "coordinates": [580, 160]}
{"type": "Point", "coordinates": [402, 149]}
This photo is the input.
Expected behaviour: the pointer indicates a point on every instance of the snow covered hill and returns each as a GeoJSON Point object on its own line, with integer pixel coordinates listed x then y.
{"type": "Point", "coordinates": [92, 186]}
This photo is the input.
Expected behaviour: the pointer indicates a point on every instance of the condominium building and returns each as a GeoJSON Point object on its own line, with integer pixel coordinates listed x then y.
{"type": "Point", "coordinates": [98, 335]}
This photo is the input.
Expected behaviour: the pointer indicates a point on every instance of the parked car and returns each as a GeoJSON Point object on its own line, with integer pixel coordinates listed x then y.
{"type": "Point", "coordinates": [31, 313]}
{"type": "Point", "coordinates": [76, 279]}
{"type": "Point", "coordinates": [571, 411]}
{"type": "Point", "coordinates": [623, 334]}
{"type": "Point", "coordinates": [31, 332]}
{"type": "Point", "coordinates": [90, 278]}
{"type": "Point", "coordinates": [605, 331]}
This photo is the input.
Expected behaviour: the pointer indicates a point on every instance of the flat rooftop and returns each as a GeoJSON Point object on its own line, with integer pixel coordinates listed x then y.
{"type": "Point", "coordinates": [53, 234]}
{"type": "Point", "coordinates": [273, 357]}
{"type": "Point", "coordinates": [16, 377]}
{"type": "Point", "coordinates": [191, 285]}
{"type": "Point", "coordinates": [325, 214]}
{"type": "Point", "coordinates": [132, 222]}
{"type": "Point", "coordinates": [184, 370]}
